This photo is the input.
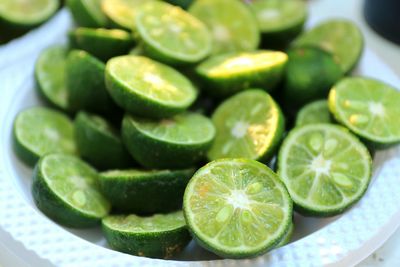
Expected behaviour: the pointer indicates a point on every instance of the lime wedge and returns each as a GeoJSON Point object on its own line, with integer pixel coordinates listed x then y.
{"type": "Point", "coordinates": [369, 108]}
{"type": "Point", "coordinates": [66, 190]}
{"type": "Point", "coordinates": [313, 113]}
{"type": "Point", "coordinates": [158, 236]}
{"type": "Point", "coordinates": [249, 125]}
{"type": "Point", "coordinates": [325, 168]}
{"type": "Point", "coordinates": [237, 208]}
{"type": "Point", "coordinates": [148, 88]}
{"type": "Point", "coordinates": [178, 38]}
{"type": "Point", "coordinates": [342, 38]}
{"type": "Point", "coordinates": [227, 74]}
{"type": "Point", "coordinates": [87, 13]}
{"type": "Point", "coordinates": [177, 142]}
{"type": "Point", "coordinates": [233, 27]}
{"type": "Point", "coordinates": [39, 130]}
{"type": "Point", "coordinates": [50, 76]}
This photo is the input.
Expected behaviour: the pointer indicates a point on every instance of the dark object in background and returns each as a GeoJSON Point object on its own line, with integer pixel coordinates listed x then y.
{"type": "Point", "coordinates": [383, 17]}
{"type": "Point", "coordinates": [182, 3]}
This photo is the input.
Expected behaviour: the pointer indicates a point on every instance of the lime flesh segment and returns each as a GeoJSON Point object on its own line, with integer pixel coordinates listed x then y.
{"type": "Point", "coordinates": [87, 13]}
{"type": "Point", "coordinates": [176, 38]}
{"type": "Point", "coordinates": [325, 168]}
{"type": "Point", "coordinates": [249, 125]}
{"type": "Point", "coordinates": [369, 108]}
{"type": "Point", "coordinates": [313, 113]}
{"type": "Point", "coordinates": [342, 38]}
{"type": "Point", "coordinates": [237, 208]}
{"type": "Point", "coordinates": [233, 27]}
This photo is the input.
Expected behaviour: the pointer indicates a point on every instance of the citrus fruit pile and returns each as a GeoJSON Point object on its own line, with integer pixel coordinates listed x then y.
{"type": "Point", "coordinates": [166, 123]}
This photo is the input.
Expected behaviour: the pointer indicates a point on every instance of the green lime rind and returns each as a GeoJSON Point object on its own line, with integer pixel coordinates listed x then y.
{"type": "Point", "coordinates": [87, 13]}
{"type": "Point", "coordinates": [38, 131]}
{"type": "Point", "coordinates": [233, 30]}
{"type": "Point", "coordinates": [66, 190]}
{"type": "Point", "coordinates": [99, 143]}
{"type": "Point", "coordinates": [224, 75]}
{"type": "Point", "coordinates": [178, 142]}
{"type": "Point", "coordinates": [249, 124]}
{"type": "Point", "coordinates": [101, 43]}
{"type": "Point", "coordinates": [158, 236]}
{"type": "Point", "coordinates": [50, 76]}
{"type": "Point", "coordinates": [325, 168]}
{"type": "Point", "coordinates": [176, 39]}
{"type": "Point", "coordinates": [313, 113]}
{"type": "Point", "coordinates": [144, 191]}
{"type": "Point", "coordinates": [147, 88]}
{"type": "Point", "coordinates": [340, 37]}
{"type": "Point", "coordinates": [369, 108]}
{"type": "Point", "coordinates": [287, 237]}
{"type": "Point", "coordinates": [237, 208]}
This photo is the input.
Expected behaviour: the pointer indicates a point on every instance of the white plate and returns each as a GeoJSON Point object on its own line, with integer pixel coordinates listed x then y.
{"type": "Point", "coordinates": [37, 241]}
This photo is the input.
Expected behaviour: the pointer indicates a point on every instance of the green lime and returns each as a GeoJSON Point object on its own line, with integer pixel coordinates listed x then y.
{"type": "Point", "coordinates": [102, 43]}
{"type": "Point", "coordinates": [178, 38]}
{"type": "Point", "coordinates": [232, 25]}
{"type": "Point", "coordinates": [341, 37]}
{"type": "Point", "coordinates": [325, 168]}
{"type": "Point", "coordinates": [87, 13]}
{"type": "Point", "coordinates": [158, 236]}
{"type": "Point", "coordinates": [177, 142]}
{"type": "Point", "coordinates": [147, 88]}
{"type": "Point", "coordinates": [227, 74]}
{"type": "Point", "coordinates": [287, 237]}
{"type": "Point", "coordinates": [143, 191]}
{"type": "Point", "coordinates": [66, 190]}
{"type": "Point", "coordinates": [27, 13]}
{"type": "Point", "coordinates": [313, 113]}
{"type": "Point", "coordinates": [249, 125]}
{"type": "Point", "coordinates": [279, 21]}
{"type": "Point", "coordinates": [310, 73]}
{"type": "Point", "coordinates": [237, 208]}
{"type": "Point", "coordinates": [39, 130]}
{"type": "Point", "coordinates": [99, 143]}
{"type": "Point", "coordinates": [369, 108]}
{"type": "Point", "coordinates": [50, 76]}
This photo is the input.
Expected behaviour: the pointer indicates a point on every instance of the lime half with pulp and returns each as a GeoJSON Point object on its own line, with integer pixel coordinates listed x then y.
{"type": "Point", "coordinates": [313, 113]}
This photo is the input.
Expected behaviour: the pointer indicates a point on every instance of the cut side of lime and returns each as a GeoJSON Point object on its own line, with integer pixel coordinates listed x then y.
{"type": "Point", "coordinates": [369, 108]}
{"type": "Point", "coordinates": [313, 113]}
{"type": "Point", "coordinates": [227, 74]}
{"type": "Point", "coordinates": [147, 88]}
{"type": "Point", "coordinates": [177, 142]}
{"type": "Point", "coordinates": [232, 25]}
{"type": "Point", "coordinates": [66, 189]}
{"type": "Point", "coordinates": [158, 236]}
{"type": "Point", "coordinates": [87, 13]}
{"type": "Point", "coordinates": [50, 76]}
{"type": "Point", "coordinates": [39, 130]}
{"type": "Point", "coordinates": [342, 38]}
{"type": "Point", "coordinates": [325, 168]}
{"type": "Point", "coordinates": [237, 208]}
{"type": "Point", "coordinates": [249, 125]}
{"type": "Point", "coordinates": [143, 191]}
{"type": "Point", "coordinates": [178, 38]}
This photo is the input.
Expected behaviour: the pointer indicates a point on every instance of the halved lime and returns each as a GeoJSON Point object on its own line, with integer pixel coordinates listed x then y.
{"type": "Point", "coordinates": [50, 76]}
{"type": "Point", "coordinates": [144, 191]}
{"type": "Point", "coordinates": [287, 237]}
{"type": "Point", "coordinates": [176, 38]}
{"type": "Point", "coordinates": [102, 43]}
{"type": "Point", "coordinates": [66, 190]}
{"type": "Point", "coordinates": [225, 75]}
{"type": "Point", "coordinates": [39, 130]}
{"type": "Point", "coordinates": [27, 13]}
{"type": "Point", "coordinates": [177, 142]}
{"type": "Point", "coordinates": [340, 37]}
{"type": "Point", "coordinates": [158, 236]}
{"type": "Point", "coordinates": [237, 208]}
{"type": "Point", "coordinates": [325, 168]}
{"type": "Point", "coordinates": [148, 88]}
{"type": "Point", "coordinates": [313, 113]}
{"type": "Point", "coordinates": [279, 21]}
{"type": "Point", "coordinates": [232, 25]}
{"type": "Point", "coordinates": [87, 13]}
{"type": "Point", "coordinates": [369, 108]}
{"type": "Point", "coordinates": [249, 125]}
